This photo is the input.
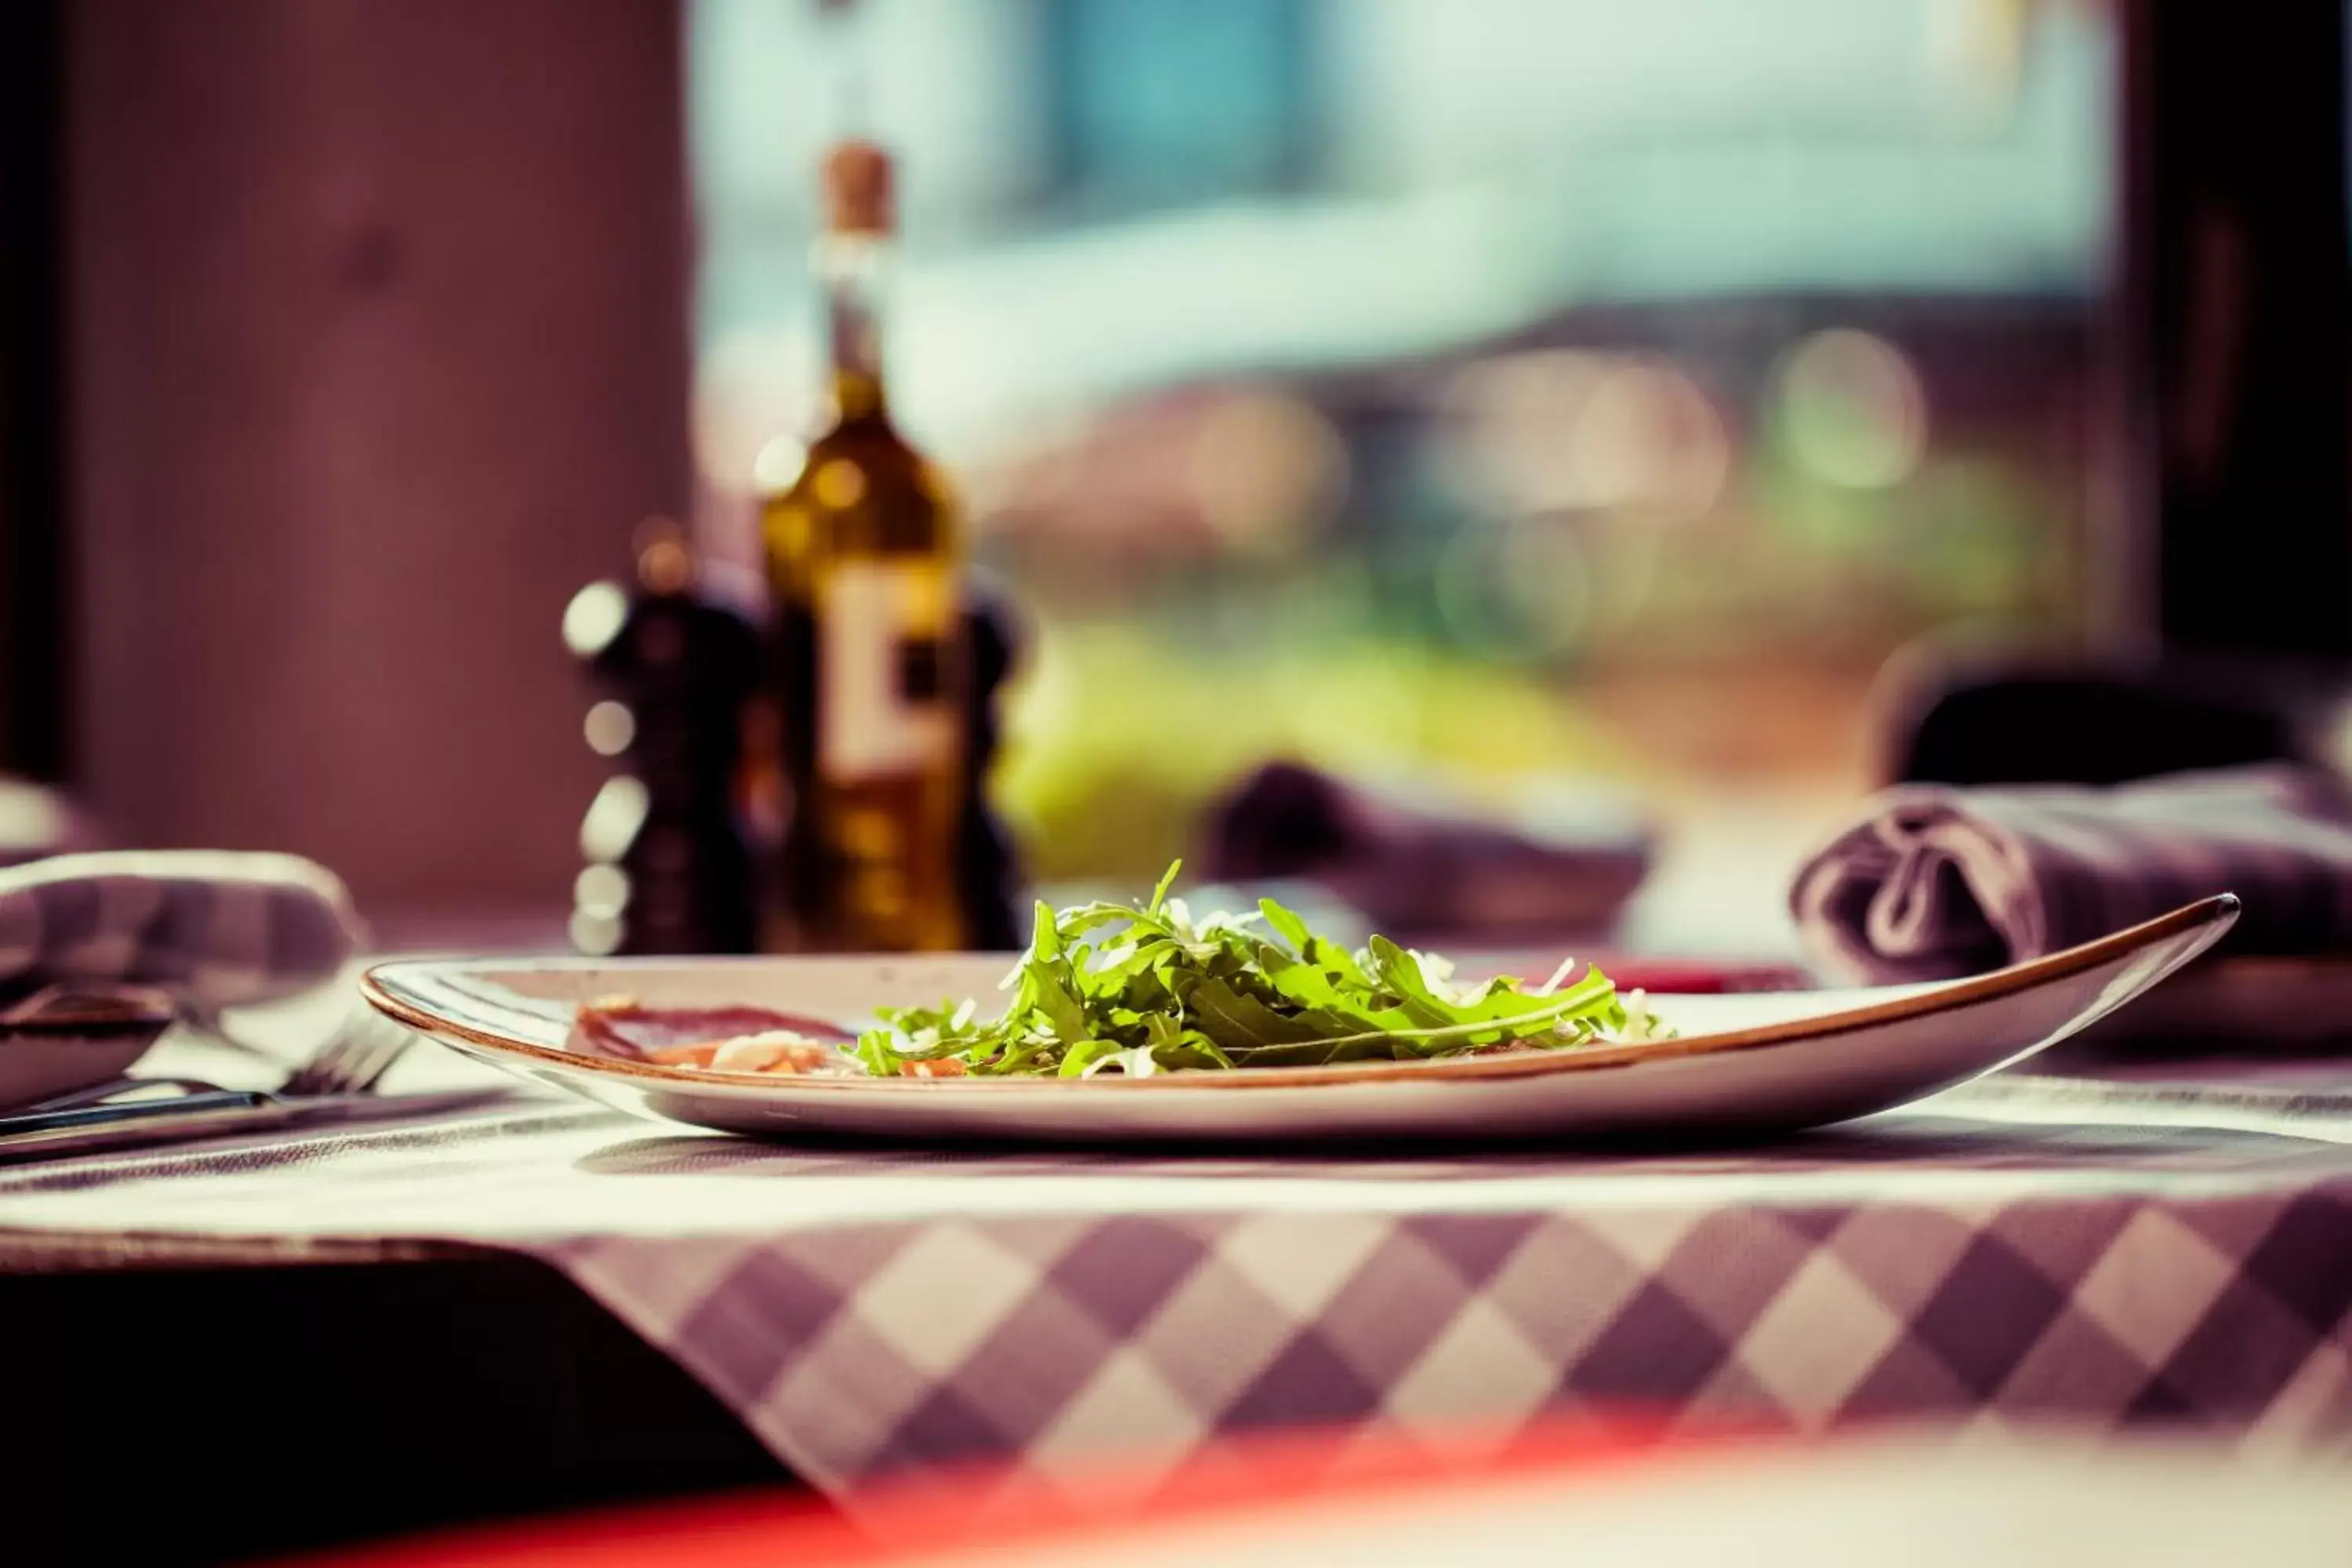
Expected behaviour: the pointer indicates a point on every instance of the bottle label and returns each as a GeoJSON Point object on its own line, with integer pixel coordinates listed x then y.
{"type": "Point", "coordinates": [883, 701]}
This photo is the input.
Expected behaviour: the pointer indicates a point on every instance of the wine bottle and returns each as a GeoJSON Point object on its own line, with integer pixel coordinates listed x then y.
{"type": "Point", "coordinates": [865, 573]}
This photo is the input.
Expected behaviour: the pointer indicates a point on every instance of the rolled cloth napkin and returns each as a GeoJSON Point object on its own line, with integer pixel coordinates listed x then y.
{"type": "Point", "coordinates": [221, 929]}
{"type": "Point", "coordinates": [1934, 883]}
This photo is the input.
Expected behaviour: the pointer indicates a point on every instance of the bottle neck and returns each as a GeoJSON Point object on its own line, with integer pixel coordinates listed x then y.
{"type": "Point", "coordinates": [849, 269]}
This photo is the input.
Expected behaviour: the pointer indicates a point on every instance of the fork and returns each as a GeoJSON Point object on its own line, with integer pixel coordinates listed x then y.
{"type": "Point", "coordinates": [350, 1060]}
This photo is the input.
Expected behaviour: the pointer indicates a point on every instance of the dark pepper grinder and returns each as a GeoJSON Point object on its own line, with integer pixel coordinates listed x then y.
{"type": "Point", "coordinates": [668, 868]}
{"type": "Point", "coordinates": [988, 874]}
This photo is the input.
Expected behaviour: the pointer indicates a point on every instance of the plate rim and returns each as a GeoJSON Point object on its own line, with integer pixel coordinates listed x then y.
{"type": "Point", "coordinates": [2215, 914]}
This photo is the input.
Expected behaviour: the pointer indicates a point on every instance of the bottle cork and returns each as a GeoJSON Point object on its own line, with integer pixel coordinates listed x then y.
{"type": "Point", "coordinates": [857, 189]}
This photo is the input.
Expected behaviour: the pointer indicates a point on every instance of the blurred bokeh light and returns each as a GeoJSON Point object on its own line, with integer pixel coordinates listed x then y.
{"type": "Point", "coordinates": [1853, 409]}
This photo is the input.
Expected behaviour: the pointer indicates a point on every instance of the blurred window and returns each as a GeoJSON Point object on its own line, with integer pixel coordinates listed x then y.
{"type": "Point", "coordinates": [1158, 102]}
{"type": "Point", "coordinates": [1501, 388]}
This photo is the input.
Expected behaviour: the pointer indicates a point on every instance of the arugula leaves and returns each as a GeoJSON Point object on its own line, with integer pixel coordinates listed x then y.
{"type": "Point", "coordinates": [1146, 988]}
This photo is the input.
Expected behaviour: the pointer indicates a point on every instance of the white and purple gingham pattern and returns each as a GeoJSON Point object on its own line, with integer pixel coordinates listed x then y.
{"type": "Point", "coordinates": [224, 929]}
{"type": "Point", "coordinates": [2022, 1249]}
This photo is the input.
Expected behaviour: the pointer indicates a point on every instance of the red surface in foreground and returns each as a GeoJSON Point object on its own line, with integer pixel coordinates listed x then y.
{"type": "Point", "coordinates": [994, 1508]}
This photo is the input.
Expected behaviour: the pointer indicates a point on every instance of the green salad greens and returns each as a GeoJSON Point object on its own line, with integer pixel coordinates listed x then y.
{"type": "Point", "coordinates": [1140, 989]}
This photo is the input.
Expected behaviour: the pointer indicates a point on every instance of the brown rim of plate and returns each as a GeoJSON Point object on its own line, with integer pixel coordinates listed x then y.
{"type": "Point", "coordinates": [2000, 982]}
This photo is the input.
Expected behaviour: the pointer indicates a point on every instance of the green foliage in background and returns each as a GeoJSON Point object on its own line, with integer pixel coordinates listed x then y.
{"type": "Point", "coordinates": [1120, 735]}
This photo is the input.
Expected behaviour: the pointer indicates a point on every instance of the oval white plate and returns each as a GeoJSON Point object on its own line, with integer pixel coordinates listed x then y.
{"type": "Point", "coordinates": [1741, 1064]}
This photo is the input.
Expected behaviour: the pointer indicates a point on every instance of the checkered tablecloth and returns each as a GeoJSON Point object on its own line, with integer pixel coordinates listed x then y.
{"type": "Point", "coordinates": [2021, 1248]}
